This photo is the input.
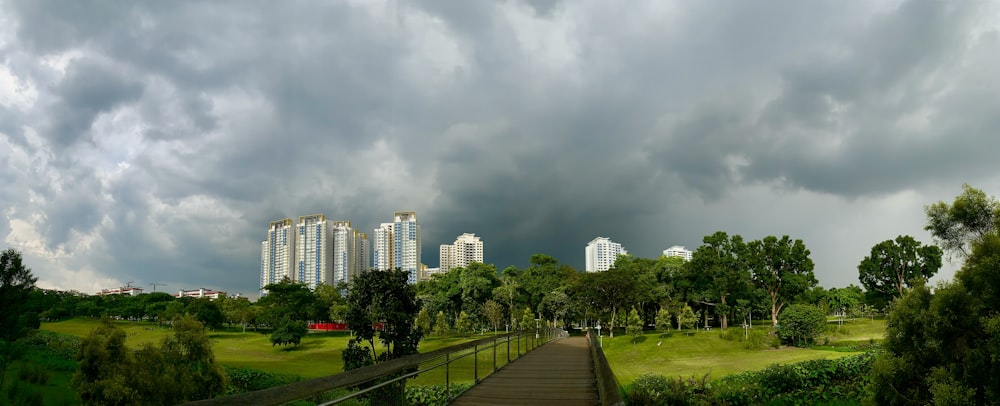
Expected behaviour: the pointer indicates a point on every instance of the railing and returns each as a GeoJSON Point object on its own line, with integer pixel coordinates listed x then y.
{"type": "Point", "coordinates": [607, 385]}
{"type": "Point", "coordinates": [521, 342]}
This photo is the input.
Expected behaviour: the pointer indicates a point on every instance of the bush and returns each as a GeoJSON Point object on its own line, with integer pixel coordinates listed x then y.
{"type": "Point", "coordinates": [249, 379]}
{"type": "Point", "coordinates": [801, 324]}
{"type": "Point", "coordinates": [649, 389]}
{"type": "Point", "coordinates": [33, 374]}
{"type": "Point", "coordinates": [433, 395]}
{"type": "Point", "coordinates": [25, 395]}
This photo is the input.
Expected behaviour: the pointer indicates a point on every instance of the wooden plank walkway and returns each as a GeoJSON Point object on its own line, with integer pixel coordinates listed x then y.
{"type": "Point", "coordinates": [560, 372]}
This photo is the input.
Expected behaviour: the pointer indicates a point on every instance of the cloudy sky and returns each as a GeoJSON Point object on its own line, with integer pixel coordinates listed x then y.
{"type": "Point", "coordinates": [153, 142]}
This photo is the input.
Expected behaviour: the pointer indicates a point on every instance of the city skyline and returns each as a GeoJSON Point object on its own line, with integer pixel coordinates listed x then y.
{"type": "Point", "coordinates": [154, 142]}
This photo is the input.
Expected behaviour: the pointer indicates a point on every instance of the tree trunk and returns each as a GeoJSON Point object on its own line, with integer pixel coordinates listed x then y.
{"type": "Point", "coordinates": [614, 312]}
{"type": "Point", "coordinates": [725, 319]}
{"type": "Point", "coordinates": [774, 310]}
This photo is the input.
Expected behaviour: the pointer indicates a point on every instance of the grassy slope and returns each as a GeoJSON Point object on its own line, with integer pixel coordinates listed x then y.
{"type": "Point", "coordinates": [705, 352]}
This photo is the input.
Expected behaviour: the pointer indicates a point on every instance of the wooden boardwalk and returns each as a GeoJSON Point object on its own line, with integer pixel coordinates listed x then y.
{"type": "Point", "coordinates": [560, 372]}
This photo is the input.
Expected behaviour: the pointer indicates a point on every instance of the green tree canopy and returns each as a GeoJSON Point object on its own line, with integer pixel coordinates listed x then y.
{"type": "Point", "coordinates": [894, 266]}
{"type": "Point", "coordinates": [16, 284]}
{"type": "Point", "coordinates": [719, 271]}
{"type": "Point", "coordinates": [382, 297]}
{"type": "Point", "coordinates": [968, 220]}
{"type": "Point", "coordinates": [286, 299]}
{"type": "Point", "coordinates": [781, 268]}
{"type": "Point", "coordinates": [801, 324]}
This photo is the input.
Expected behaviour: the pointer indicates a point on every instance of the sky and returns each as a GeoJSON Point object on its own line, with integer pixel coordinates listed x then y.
{"type": "Point", "coordinates": [152, 142]}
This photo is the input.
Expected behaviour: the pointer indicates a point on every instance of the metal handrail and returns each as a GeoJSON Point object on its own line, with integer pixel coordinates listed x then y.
{"type": "Point", "coordinates": [607, 384]}
{"type": "Point", "coordinates": [312, 387]}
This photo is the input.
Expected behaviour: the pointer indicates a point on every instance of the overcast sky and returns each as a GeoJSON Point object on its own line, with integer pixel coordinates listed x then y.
{"type": "Point", "coordinates": [153, 142]}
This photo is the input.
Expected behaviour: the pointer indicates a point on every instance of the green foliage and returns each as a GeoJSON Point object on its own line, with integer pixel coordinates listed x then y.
{"type": "Point", "coordinates": [433, 395]}
{"type": "Point", "coordinates": [663, 320]}
{"type": "Point", "coordinates": [801, 324]}
{"type": "Point", "coordinates": [782, 268]}
{"type": "Point", "coordinates": [23, 395]}
{"type": "Point", "coordinates": [423, 321]}
{"type": "Point", "coordinates": [686, 318]}
{"type": "Point", "coordinates": [248, 380]}
{"type": "Point", "coordinates": [807, 382]}
{"type": "Point", "coordinates": [286, 299]}
{"type": "Point", "coordinates": [462, 324]}
{"type": "Point", "coordinates": [494, 313]}
{"type": "Point", "coordinates": [382, 297]}
{"type": "Point", "coordinates": [554, 305]}
{"type": "Point", "coordinates": [527, 321]}
{"type": "Point", "coordinates": [441, 327]}
{"type": "Point", "coordinates": [634, 325]}
{"type": "Point", "coordinates": [895, 265]}
{"type": "Point", "coordinates": [207, 312]}
{"type": "Point", "coordinates": [718, 270]}
{"type": "Point", "coordinates": [288, 331]}
{"type": "Point", "coordinates": [967, 221]}
{"type": "Point", "coordinates": [16, 319]}
{"type": "Point", "coordinates": [182, 368]}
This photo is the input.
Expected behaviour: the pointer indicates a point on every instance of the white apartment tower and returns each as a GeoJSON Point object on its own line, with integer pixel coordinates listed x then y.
{"type": "Point", "coordinates": [467, 249]}
{"type": "Point", "coordinates": [350, 252]}
{"type": "Point", "coordinates": [314, 257]}
{"type": "Point", "coordinates": [678, 251]}
{"type": "Point", "coordinates": [601, 254]}
{"type": "Point", "coordinates": [406, 244]}
{"type": "Point", "coordinates": [277, 254]}
{"type": "Point", "coordinates": [382, 251]}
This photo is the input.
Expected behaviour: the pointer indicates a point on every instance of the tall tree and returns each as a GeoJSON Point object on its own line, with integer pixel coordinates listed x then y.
{"type": "Point", "coordinates": [382, 297]}
{"type": "Point", "coordinates": [894, 266]}
{"type": "Point", "coordinates": [719, 270]}
{"type": "Point", "coordinates": [781, 268]}
{"type": "Point", "coordinates": [966, 221]}
{"type": "Point", "coordinates": [16, 284]}
{"type": "Point", "coordinates": [494, 313]}
{"type": "Point", "coordinates": [286, 299]}
{"type": "Point", "coordinates": [612, 291]}
{"type": "Point", "coordinates": [544, 275]}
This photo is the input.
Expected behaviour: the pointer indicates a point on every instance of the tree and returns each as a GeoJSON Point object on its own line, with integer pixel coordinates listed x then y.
{"type": "Point", "coordinates": [288, 331]}
{"type": "Point", "coordinates": [719, 269]}
{"type": "Point", "coordinates": [330, 304]}
{"type": "Point", "coordinates": [611, 290]}
{"type": "Point", "coordinates": [663, 320]}
{"type": "Point", "coordinates": [634, 325]}
{"type": "Point", "coordinates": [423, 321]}
{"type": "Point", "coordinates": [555, 305]}
{"type": "Point", "coordinates": [507, 290]}
{"type": "Point", "coordinates": [286, 299]}
{"type": "Point", "coordinates": [781, 268]}
{"type": "Point", "coordinates": [441, 327]}
{"type": "Point", "coordinates": [462, 324]}
{"type": "Point", "coordinates": [181, 369]}
{"type": "Point", "coordinates": [968, 220]}
{"type": "Point", "coordinates": [16, 284]}
{"type": "Point", "coordinates": [383, 297]}
{"type": "Point", "coordinates": [494, 313]}
{"type": "Point", "coordinates": [206, 311]}
{"type": "Point", "coordinates": [686, 317]}
{"type": "Point", "coordinates": [801, 324]}
{"type": "Point", "coordinates": [894, 266]}
{"type": "Point", "coordinates": [477, 282]}
{"type": "Point", "coordinates": [527, 320]}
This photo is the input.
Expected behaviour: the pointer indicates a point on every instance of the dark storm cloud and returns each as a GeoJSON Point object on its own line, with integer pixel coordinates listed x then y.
{"type": "Point", "coordinates": [170, 134]}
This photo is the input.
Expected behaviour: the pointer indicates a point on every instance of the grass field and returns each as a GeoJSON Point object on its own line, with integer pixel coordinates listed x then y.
{"type": "Point", "coordinates": [317, 355]}
{"type": "Point", "coordinates": [705, 352]}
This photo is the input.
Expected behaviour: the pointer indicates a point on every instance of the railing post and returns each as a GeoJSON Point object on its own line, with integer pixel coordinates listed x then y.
{"type": "Point", "coordinates": [519, 345]}
{"type": "Point", "coordinates": [508, 349]}
{"type": "Point", "coordinates": [475, 364]}
{"type": "Point", "coordinates": [494, 353]}
{"type": "Point", "coordinates": [447, 382]}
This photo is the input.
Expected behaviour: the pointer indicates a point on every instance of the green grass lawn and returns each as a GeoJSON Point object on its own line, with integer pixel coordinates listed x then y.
{"type": "Point", "coordinates": [319, 354]}
{"type": "Point", "coordinates": [706, 352]}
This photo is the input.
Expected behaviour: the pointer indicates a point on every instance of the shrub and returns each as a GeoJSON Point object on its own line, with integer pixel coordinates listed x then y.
{"type": "Point", "coordinates": [801, 324]}
{"type": "Point", "coordinates": [249, 379]}
{"type": "Point", "coordinates": [33, 374]}
{"type": "Point", "coordinates": [433, 395]}
{"type": "Point", "coordinates": [649, 389]}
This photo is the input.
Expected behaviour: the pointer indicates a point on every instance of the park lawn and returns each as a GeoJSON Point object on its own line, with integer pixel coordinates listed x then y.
{"type": "Point", "coordinates": [319, 353]}
{"type": "Point", "coordinates": [705, 352]}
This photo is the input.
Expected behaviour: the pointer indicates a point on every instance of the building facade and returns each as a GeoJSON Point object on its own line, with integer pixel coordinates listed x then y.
{"type": "Point", "coordinates": [313, 251]}
{"type": "Point", "coordinates": [467, 249]}
{"type": "Point", "coordinates": [382, 247]}
{"type": "Point", "coordinates": [277, 253]}
{"type": "Point", "coordinates": [678, 251]}
{"type": "Point", "coordinates": [350, 252]}
{"type": "Point", "coordinates": [601, 254]}
{"type": "Point", "coordinates": [406, 244]}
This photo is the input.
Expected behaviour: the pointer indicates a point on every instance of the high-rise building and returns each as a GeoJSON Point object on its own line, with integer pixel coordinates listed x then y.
{"type": "Point", "coordinates": [467, 249]}
{"type": "Point", "coordinates": [601, 254]}
{"type": "Point", "coordinates": [678, 251]}
{"type": "Point", "coordinates": [382, 249]}
{"type": "Point", "coordinates": [350, 252]}
{"type": "Point", "coordinates": [277, 254]}
{"type": "Point", "coordinates": [313, 248]}
{"type": "Point", "coordinates": [406, 244]}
